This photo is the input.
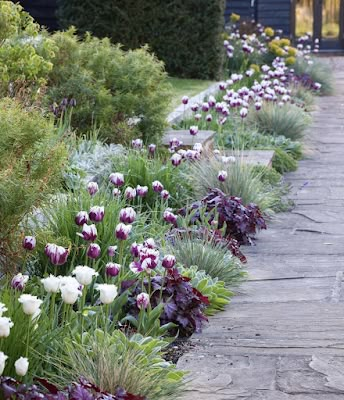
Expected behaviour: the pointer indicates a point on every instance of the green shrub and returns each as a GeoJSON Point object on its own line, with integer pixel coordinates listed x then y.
{"type": "Point", "coordinates": [186, 35]}
{"type": "Point", "coordinates": [288, 120]}
{"type": "Point", "coordinates": [31, 160]}
{"type": "Point", "coordinates": [115, 360]}
{"type": "Point", "coordinates": [318, 72]}
{"type": "Point", "coordinates": [25, 58]}
{"type": "Point", "coordinates": [283, 162]}
{"type": "Point", "coordinates": [213, 288]}
{"type": "Point", "coordinates": [112, 87]}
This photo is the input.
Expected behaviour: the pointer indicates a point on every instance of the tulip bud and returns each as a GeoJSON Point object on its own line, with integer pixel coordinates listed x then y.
{"type": "Point", "coordinates": [57, 254]}
{"type": "Point", "coordinates": [258, 105]}
{"type": "Point", "coordinates": [81, 218]}
{"type": "Point", "coordinates": [30, 303]}
{"type": "Point", "coordinates": [19, 281]}
{"type": "Point", "coordinates": [89, 232]}
{"type": "Point", "coordinates": [51, 284]}
{"type": "Point", "coordinates": [168, 261]}
{"type": "Point", "coordinates": [142, 301]}
{"type": "Point", "coordinates": [205, 107]}
{"type": "Point", "coordinates": [243, 113]}
{"type": "Point", "coordinates": [209, 118]}
{"type": "Point", "coordinates": [29, 242]}
{"type": "Point", "coordinates": [157, 186]}
{"type": "Point", "coordinates": [130, 193]}
{"type": "Point", "coordinates": [112, 251]}
{"type": "Point", "coordinates": [112, 269]}
{"type": "Point", "coordinates": [116, 192]}
{"type": "Point", "coordinates": [185, 100]}
{"type": "Point", "coordinates": [5, 325]}
{"type": "Point", "coordinates": [137, 144]}
{"type": "Point", "coordinates": [152, 148]}
{"type": "Point", "coordinates": [141, 190]}
{"type": "Point", "coordinates": [165, 195]}
{"type": "Point", "coordinates": [107, 293]}
{"type": "Point", "coordinates": [3, 359]}
{"type": "Point", "coordinates": [193, 130]}
{"type": "Point", "coordinates": [96, 214]}
{"type": "Point", "coordinates": [127, 215]}
{"type": "Point", "coordinates": [93, 251]}
{"type": "Point", "coordinates": [176, 159]}
{"type": "Point", "coordinates": [92, 188]}
{"type": "Point", "coordinates": [170, 217]}
{"type": "Point", "coordinates": [21, 366]}
{"type": "Point", "coordinates": [116, 179]}
{"type": "Point", "coordinates": [122, 231]}
{"type": "Point", "coordinates": [222, 176]}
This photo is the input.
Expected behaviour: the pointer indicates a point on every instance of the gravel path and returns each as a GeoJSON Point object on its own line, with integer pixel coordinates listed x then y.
{"type": "Point", "coordinates": [282, 338]}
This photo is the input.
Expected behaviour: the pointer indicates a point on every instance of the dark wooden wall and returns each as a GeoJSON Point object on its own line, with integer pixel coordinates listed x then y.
{"type": "Point", "coordinates": [43, 11]}
{"type": "Point", "coordinates": [241, 7]}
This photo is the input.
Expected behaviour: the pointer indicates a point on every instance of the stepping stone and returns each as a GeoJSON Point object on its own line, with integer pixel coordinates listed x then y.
{"type": "Point", "coordinates": [206, 138]}
{"type": "Point", "coordinates": [254, 157]}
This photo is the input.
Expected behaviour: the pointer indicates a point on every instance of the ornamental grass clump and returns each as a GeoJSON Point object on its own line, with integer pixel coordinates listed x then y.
{"type": "Point", "coordinates": [290, 121]}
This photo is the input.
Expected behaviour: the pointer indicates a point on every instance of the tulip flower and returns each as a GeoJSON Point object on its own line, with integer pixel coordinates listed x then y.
{"type": "Point", "coordinates": [205, 107]}
{"type": "Point", "coordinates": [130, 193]}
{"type": "Point", "coordinates": [141, 190]}
{"type": "Point", "coordinates": [19, 281]}
{"type": "Point", "coordinates": [57, 254]}
{"type": "Point", "coordinates": [92, 188]}
{"type": "Point", "coordinates": [149, 243]}
{"type": "Point", "coordinates": [211, 101]}
{"type": "Point", "coordinates": [222, 176]}
{"type": "Point", "coordinates": [51, 284]}
{"type": "Point", "coordinates": [137, 144]}
{"type": "Point", "coordinates": [258, 105]}
{"type": "Point", "coordinates": [165, 195]}
{"type": "Point", "coordinates": [176, 159]}
{"type": "Point", "coordinates": [70, 293]}
{"type": "Point", "coordinates": [193, 130]}
{"type": "Point", "coordinates": [175, 143]}
{"type": "Point", "coordinates": [81, 218]}
{"type": "Point", "coordinates": [317, 86]}
{"type": "Point", "coordinates": [112, 251]}
{"type": "Point", "coordinates": [112, 269]}
{"type": "Point", "coordinates": [185, 100]}
{"type": "Point", "coordinates": [5, 325]}
{"type": "Point", "coordinates": [116, 192]}
{"type": "Point", "coordinates": [142, 301]}
{"type": "Point", "coordinates": [84, 274]}
{"type": "Point", "coordinates": [152, 148]}
{"type": "Point", "coordinates": [89, 232]}
{"type": "Point", "coordinates": [135, 249]}
{"type": "Point", "coordinates": [157, 186]}
{"type": "Point", "coordinates": [3, 309]}
{"type": "Point", "coordinates": [227, 160]}
{"type": "Point", "coordinates": [127, 215]}
{"type": "Point", "coordinates": [107, 293]}
{"type": "Point", "coordinates": [30, 303]}
{"type": "Point", "coordinates": [209, 118]}
{"type": "Point", "coordinates": [29, 242]}
{"type": "Point", "coordinates": [198, 117]}
{"type": "Point", "coordinates": [122, 231]}
{"type": "Point", "coordinates": [170, 217]}
{"type": "Point", "coordinates": [3, 359]}
{"type": "Point", "coordinates": [194, 107]}
{"type": "Point", "coordinates": [243, 112]}
{"type": "Point", "coordinates": [168, 261]}
{"type": "Point", "coordinates": [96, 214]}
{"type": "Point", "coordinates": [116, 178]}
{"type": "Point", "coordinates": [136, 267]}
{"type": "Point", "coordinates": [93, 251]}
{"type": "Point", "coordinates": [198, 147]}
{"type": "Point", "coordinates": [21, 366]}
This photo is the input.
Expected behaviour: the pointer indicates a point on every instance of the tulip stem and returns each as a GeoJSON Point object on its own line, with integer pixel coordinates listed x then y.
{"type": "Point", "coordinates": [28, 338]}
{"type": "Point", "coordinates": [63, 314]}
{"type": "Point", "coordinates": [52, 308]}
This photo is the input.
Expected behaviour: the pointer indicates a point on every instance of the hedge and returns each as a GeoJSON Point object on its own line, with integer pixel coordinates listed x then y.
{"type": "Point", "coordinates": [185, 34]}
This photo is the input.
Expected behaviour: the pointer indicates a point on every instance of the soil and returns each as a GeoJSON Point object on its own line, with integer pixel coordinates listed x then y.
{"type": "Point", "coordinates": [176, 349]}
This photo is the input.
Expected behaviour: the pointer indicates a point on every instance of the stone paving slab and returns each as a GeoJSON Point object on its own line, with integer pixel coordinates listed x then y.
{"type": "Point", "coordinates": [282, 337]}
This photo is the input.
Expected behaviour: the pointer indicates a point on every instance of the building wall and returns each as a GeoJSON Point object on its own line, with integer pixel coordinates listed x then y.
{"type": "Point", "coordinates": [241, 7]}
{"type": "Point", "coordinates": [43, 11]}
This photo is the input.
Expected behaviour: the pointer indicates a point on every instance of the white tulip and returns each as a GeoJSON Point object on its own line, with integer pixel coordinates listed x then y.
{"type": "Point", "coordinates": [3, 308]}
{"type": "Point", "coordinates": [3, 359]}
{"type": "Point", "coordinates": [5, 326]}
{"type": "Point", "coordinates": [30, 304]}
{"type": "Point", "coordinates": [21, 366]}
{"type": "Point", "coordinates": [107, 293]}
{"type": "Point", "coordinates": [84, 274]}
{"type": "Point", "coordinates": [68, 281]}
{"type": "Point", "coordinates": [70, 293]}
{"type": "Point", "coordinates": [51, 284]}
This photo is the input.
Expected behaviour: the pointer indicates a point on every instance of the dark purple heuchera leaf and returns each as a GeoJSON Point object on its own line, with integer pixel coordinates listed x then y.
{"type": "Point", "coordinates": [240, 222]}
{"type": "Point", "coordinates": [84, 390]}
{"type": "Point", "coordinates": [183, 304]}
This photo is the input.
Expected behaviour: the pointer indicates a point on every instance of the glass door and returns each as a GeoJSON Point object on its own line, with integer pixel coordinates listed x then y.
{"type": "Point", "coordinates": [322, 19]}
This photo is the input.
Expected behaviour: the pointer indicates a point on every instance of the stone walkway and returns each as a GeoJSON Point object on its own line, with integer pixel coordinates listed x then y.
{"type": "Point", "coordinates": [282, 338]}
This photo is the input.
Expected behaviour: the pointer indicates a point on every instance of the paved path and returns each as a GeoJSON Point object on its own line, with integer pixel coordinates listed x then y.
{"type": "Point", "coordinates": [282, 338]}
